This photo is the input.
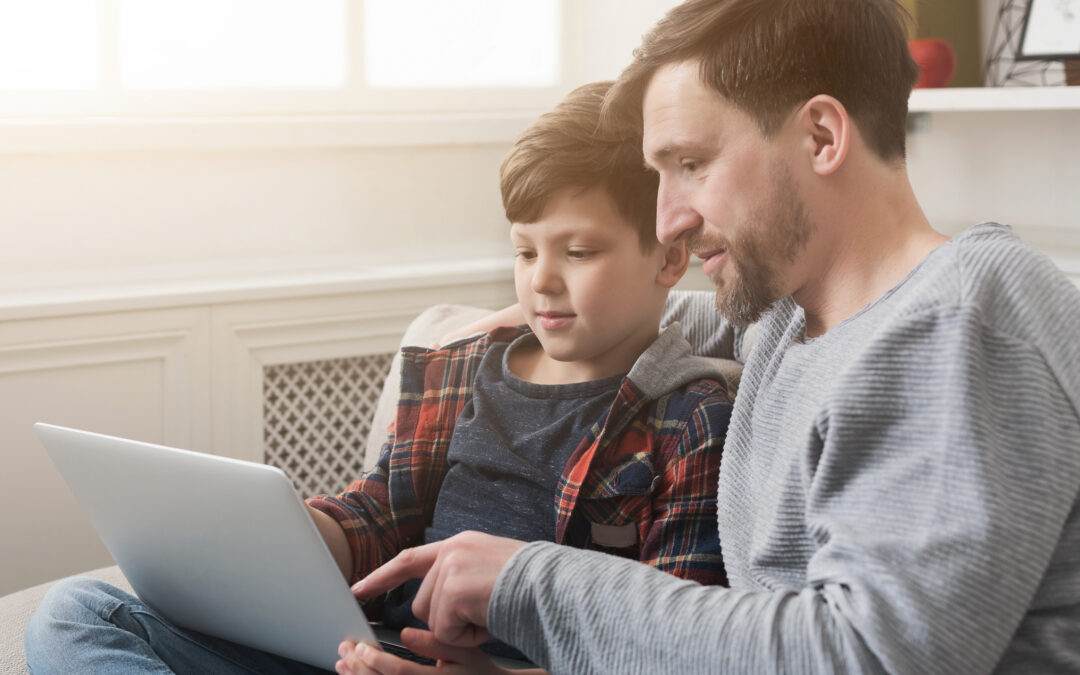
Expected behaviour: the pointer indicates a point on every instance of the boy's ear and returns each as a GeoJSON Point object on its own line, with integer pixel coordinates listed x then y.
{"type": "Point", "coordinates": [676, 259]}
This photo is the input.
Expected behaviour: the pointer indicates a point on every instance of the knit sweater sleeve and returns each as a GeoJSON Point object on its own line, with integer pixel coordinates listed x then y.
{"type": "Point", "coordinates": [938, 488]}
{"type": "Point", "coordinates": [708, 333]}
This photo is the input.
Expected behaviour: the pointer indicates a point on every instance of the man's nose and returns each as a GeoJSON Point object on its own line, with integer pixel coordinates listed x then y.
{"type": "Point", "coordinates": [674, 217]}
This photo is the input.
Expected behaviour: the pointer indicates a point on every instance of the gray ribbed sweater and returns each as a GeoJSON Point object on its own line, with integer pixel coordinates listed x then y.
{"type": "Point", "coordinates": [898, 495]}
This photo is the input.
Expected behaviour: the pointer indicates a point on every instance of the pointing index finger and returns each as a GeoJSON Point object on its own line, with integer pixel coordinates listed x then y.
{"type": "Point", "coordinates": [412, 563]}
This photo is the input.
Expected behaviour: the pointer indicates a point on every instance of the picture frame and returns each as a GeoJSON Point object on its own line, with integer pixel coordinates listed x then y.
{"type": "Point", "coordinates": [1051, 31]}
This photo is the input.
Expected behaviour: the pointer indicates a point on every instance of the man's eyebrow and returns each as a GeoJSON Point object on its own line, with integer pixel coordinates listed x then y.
{"type": "Point", "coordinates": [659, 156]}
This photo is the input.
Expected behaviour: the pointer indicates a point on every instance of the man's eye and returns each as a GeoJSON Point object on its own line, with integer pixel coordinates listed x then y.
{"type": "Point", "coordinates": [690, 165]}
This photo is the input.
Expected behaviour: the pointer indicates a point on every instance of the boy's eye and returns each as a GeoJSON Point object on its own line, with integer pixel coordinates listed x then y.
{"type": "Point", "coordinates": [579, 254]}
{"type": "Point", "coordinates": [526, 255]}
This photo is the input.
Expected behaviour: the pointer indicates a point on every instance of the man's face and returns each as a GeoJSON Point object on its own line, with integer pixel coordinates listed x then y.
{"type": "Point", "coordinates": [725, 190]}
{"type": "Point", "coordinates": [585, 285]}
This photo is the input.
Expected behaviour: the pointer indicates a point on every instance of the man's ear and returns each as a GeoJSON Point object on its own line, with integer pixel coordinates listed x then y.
{"type": "Point", "coordinates": [676, 258]}
{"type": "Point", "coordinates": [827, 129]}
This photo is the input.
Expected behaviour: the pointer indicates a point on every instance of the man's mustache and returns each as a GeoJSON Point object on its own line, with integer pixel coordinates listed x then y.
{"type": "Point", "coordinates": [701, 243]}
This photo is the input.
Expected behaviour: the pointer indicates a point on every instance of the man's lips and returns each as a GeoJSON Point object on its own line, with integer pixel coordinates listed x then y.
{"type": "Point", "coordinates": [713, 260]}
{"type": "Point", "coordinates": [554, 320]}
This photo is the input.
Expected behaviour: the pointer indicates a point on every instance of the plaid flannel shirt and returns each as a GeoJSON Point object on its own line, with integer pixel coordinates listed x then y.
{"type": "Point", "coordinates": [641, 484]}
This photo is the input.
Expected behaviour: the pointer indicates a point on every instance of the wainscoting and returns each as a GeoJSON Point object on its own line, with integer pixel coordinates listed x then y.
{"type": "Point", "coordinates": [283, 367]}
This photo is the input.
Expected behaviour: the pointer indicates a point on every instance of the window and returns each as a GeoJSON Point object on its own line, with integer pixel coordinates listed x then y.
{"type": "Point", "coordinates": [213, 57]}
{"type": "Point", "coordinates": [216, 44]}
{"type": "Point", "coordinates": [476, 43]}
{"type": "Point", "coordinates": [48, 45]}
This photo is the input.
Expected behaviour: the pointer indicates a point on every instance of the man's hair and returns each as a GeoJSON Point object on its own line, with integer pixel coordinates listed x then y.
{"type": "Point", "coordinates": [768, 57]}
{"type": "Point", "coordinates": [570, 147]}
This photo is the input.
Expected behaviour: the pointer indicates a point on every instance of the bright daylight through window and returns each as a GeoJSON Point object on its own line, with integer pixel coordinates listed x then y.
{"type": "Point", "coordinates": [467, 43]}
{"type": "Point", "coordinates": [123, 56]}
{"type": "Point", "coordinates": [49, 45]}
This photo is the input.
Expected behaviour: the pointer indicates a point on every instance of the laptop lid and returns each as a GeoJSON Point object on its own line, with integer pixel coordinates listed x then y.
{"type": "Point", "coordinates": [218, 545]}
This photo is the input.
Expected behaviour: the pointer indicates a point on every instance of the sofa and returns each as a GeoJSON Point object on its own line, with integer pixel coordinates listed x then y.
{"type": "Point", "coordinates": [427, 328]}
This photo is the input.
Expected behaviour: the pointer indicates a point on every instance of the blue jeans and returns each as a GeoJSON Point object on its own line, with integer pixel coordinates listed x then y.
{"type": "Point", "coordinates": [87, 626]}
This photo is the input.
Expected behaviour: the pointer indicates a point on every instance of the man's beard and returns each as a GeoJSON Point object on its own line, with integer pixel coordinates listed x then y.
{"type": "Point", "coordinates": [774, 235]}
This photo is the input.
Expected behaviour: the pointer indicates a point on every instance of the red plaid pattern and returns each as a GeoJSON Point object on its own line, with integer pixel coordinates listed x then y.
{"type": "Point", "coordinates": [649, 465]}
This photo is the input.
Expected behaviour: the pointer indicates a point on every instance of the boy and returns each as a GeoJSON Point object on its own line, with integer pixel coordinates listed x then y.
{"type": "Point", "coordinates": [586, 428]}
{"type": "Point", "coordinates": [587, 404]}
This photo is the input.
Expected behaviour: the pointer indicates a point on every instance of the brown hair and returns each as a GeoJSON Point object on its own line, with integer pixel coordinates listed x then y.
{"type": "Point", "coordinates": [570, 147]}
{"type": "Point", "coordinates": [767, 57]}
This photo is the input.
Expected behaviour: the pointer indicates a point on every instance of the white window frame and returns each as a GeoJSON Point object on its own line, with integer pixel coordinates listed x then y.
{"type": "Point", "coordinates": [112, 100]}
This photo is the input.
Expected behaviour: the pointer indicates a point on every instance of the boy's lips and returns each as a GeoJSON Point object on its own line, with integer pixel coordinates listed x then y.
{"type": "Point", "coordinates": [713, 260]}
{"type": "Point", "coordinates": [554, 320]}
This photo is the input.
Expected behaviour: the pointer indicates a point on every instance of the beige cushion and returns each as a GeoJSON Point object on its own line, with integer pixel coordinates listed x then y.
{"type": "Point", "coordinates": [15, 611]}
{"type": "Point", "coordinates": [425, 330]}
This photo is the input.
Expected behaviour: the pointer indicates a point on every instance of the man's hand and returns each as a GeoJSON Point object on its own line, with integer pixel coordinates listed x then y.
{"type": "Point", "coordinates": [459, 576]}
{"type": "Point", "coordinates": [365, 660]}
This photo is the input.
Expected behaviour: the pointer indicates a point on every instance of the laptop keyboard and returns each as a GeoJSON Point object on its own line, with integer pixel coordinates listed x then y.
{"type": "Point", "coordinates": [402, 652]}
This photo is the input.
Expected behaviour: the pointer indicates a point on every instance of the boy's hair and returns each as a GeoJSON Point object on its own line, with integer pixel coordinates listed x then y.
{"type": "Point", "coordinates": [570, 147]}
{"type": "Point", "coordinates": [768, 57]}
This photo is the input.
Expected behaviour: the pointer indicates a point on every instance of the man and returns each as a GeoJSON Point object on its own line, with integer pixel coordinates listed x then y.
{"type": "Point", "coordinates": [899, 489]}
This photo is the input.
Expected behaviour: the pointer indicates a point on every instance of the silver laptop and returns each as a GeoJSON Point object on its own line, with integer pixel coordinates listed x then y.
{"type": "Point", "coordinates": [220, 546]}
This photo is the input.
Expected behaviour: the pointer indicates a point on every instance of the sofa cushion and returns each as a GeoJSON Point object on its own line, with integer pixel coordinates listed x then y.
{"type": "Point", "coordinates": [15, 611]}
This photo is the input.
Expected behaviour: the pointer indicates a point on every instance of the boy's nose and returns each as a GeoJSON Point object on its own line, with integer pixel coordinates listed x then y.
{"type": "Point", "coordinates": [545, 278]}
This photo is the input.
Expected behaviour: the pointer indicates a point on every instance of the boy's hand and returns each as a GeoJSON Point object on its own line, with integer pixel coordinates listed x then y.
{"type": "Point", "coordinates": [459, 576]}
{"type": "Point", "coordinates": [365, 660]}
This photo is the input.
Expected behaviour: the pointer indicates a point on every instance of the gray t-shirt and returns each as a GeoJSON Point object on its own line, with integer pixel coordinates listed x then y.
{"type": "Point", "coordinates": [510, 446]}
{"type": "Point", "coordinates": [898, 495]}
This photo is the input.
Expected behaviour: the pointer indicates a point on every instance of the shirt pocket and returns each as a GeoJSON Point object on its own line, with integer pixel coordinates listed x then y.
{"type": "Point", "coordinates": [616, 510]}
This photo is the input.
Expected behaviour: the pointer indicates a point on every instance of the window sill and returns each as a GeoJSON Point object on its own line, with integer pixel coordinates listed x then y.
{"type": "Point", "coordinates": [183, 285]}
{"type": "Point", "coordinates": [18, 136]}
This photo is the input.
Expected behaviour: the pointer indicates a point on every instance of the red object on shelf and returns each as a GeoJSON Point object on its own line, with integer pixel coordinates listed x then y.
{"type": "Point", "coordinates": [936, 60]}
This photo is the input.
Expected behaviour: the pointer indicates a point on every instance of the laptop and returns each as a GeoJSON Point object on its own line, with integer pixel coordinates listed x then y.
{"type": "Point", "coordinates": [220, 546]}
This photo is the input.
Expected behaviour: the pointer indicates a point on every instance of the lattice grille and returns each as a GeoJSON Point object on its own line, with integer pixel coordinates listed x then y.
{"type": "Point", "coordinates": [317, 416]}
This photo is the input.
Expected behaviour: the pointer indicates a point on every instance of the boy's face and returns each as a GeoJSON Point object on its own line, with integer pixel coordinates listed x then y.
{"type": "Point", "coordinates": [585, 285]}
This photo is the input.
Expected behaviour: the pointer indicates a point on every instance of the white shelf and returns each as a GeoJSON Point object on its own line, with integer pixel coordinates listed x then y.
{"type": "Point", "coordinates": [989, 99]}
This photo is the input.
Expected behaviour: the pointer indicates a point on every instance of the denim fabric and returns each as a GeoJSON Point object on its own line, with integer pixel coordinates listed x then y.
{"type": "Point", "coordinates": [87, 626]}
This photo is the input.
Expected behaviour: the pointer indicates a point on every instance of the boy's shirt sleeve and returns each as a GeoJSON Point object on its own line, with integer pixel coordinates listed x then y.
{"type": "Point", "coordinates": [387, 509]}
{"type": "Point", "coordinates": [366, 514]}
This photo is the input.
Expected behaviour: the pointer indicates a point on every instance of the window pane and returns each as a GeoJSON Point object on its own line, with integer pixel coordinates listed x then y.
{"type": "Point", "coordinates": [466, 43]}
{"type": "Point", "coordinates": [48, 44]}
{"type": "Point", "coordinates": [197, 44]}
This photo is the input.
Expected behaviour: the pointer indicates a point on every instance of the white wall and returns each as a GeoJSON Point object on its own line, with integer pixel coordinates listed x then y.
{"type": "Point", "coordinates": [1018, 168]}
{"type": "Point", "coordinates": [65, 211]}
{"type": "Point", "coordinates": [62, 212]}
{"type": "Point", "coordinates": [159, 207]}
